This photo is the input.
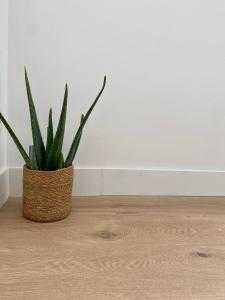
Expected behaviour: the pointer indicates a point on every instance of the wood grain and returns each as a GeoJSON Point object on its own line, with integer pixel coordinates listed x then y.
{"type": "Point", "coordinates": [116, 248]}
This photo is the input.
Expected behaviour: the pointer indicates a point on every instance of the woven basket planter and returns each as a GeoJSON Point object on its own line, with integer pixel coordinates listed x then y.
{"type": "Point", "coordinates": [47, 194]}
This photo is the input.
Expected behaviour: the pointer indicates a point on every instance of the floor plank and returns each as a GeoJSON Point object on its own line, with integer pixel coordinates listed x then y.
{"type": "Point", "coordinates": [116, 248]}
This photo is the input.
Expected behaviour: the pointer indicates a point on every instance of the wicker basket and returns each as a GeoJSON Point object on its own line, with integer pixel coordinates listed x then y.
{"type": "Point", "coordinates": [47, 194]}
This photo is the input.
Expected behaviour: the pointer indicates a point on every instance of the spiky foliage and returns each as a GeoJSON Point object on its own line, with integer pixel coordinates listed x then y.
{"type": "Point", "coordinates": [76, 141]}
{"type": "Point", "coordinates": [36, 132]}
{"type": "Point", "coordinates": [50, 158]}
{"type": "Point", "coordinates": [56, 148]}
{"type": "Point", "coordinates": [50, 135]}
{"type": "Point", "coordinates": [17, 142]}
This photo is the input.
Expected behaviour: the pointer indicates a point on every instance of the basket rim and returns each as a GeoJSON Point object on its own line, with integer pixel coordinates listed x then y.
{"type": "Point", "coordinates": [47, 172]}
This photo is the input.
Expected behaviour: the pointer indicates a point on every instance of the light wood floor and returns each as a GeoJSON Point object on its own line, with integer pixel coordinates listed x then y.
{"type": "Point", "coordinates": [116, 248]}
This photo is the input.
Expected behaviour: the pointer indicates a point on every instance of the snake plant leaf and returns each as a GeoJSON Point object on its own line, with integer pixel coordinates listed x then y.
{"type": "Point", "coordinates": [37, 138]}
{"type": "Point", "coordinates": [50, 134]}
{"type": "Point", "coordinates": [17, 142]}
{"type": "Point", "coordinates": [61, 162]}
{"type": "Point", "coordinates": [56, 148]}
{"type": "Point", "coordinates": [76, 141]}
{"type": "Point", "coordinates": [81, 120]}
{"type": "Point", "coordinates": [33, 156]}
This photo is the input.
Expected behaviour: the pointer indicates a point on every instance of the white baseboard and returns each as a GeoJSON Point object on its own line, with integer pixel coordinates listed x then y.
{"type": "Point", "coordinates": [87, 182]}
{"type": "Point", "coordinates": [4, 186]}
{"type": "Point", "coordinates": [92, 182]}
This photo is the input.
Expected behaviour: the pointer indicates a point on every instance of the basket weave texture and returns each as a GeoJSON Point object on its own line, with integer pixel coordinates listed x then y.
{"type": "Point", "coordinates": [47, 194]}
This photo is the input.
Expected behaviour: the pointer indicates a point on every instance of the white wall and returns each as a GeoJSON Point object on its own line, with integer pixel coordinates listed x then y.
{"type": "Point", "coordinates": [3, 97]}
{"type": "Point", "coordinates": [164, 105]}
{"type": "Point", "coordinates": [3, 75]}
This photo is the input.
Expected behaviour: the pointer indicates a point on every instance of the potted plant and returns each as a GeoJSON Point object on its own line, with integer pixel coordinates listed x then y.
{"type": "Point", "coordinates": [47, 177]}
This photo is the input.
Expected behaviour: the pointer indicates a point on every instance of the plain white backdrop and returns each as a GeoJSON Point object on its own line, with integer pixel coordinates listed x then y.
{"type": "Point", "coordinates": [3, 77]}
{"type": "Point", "coordinates": [164, 104]}
{"type": "Point", "coordinates": [4, 179]}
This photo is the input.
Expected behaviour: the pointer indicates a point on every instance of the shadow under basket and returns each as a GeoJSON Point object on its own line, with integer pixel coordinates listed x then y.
{"type": "Point", "coordinates": [47, 195]}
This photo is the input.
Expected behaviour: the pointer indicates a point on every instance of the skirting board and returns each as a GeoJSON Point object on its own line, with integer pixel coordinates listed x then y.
{"type": "Point", "coordinates": [93, 182]}
{"type": "Point", "coordinates": [4, 186]}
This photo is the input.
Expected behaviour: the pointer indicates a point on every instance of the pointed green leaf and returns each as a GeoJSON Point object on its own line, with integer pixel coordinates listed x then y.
{"type": "Point", "coordinates": [76, 141]}
{"type": "Point", "coordinates": [76, 145]}
{"type": "Point", "coordinates": [17, 142]}
{"type": "Point", "coordinates": [50, 136]}
{"type": "Point", "coordinates": [81, 120]}
{"type": "Point", "coordinates": [37, 138]}
{"type": "Point", "coordinates": [49, 133]}
{"type": "Point", "coordinates": [56, 149]}
{"type": "Point", "coordinates": [61, 162]}
{"type": "Point", "coordinates": [33, 156]}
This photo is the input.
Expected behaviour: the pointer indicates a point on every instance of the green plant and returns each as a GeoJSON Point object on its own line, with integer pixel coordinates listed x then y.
{"type": "Point", "coordinates": [50, 157]}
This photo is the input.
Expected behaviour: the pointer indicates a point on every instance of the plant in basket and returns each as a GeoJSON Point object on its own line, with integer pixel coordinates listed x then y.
{"type": "Point", "coordinates": [47, 173]}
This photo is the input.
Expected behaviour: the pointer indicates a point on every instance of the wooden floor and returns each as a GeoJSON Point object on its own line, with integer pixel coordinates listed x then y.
{"type": "Point", "coordinates": [116, 248]}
